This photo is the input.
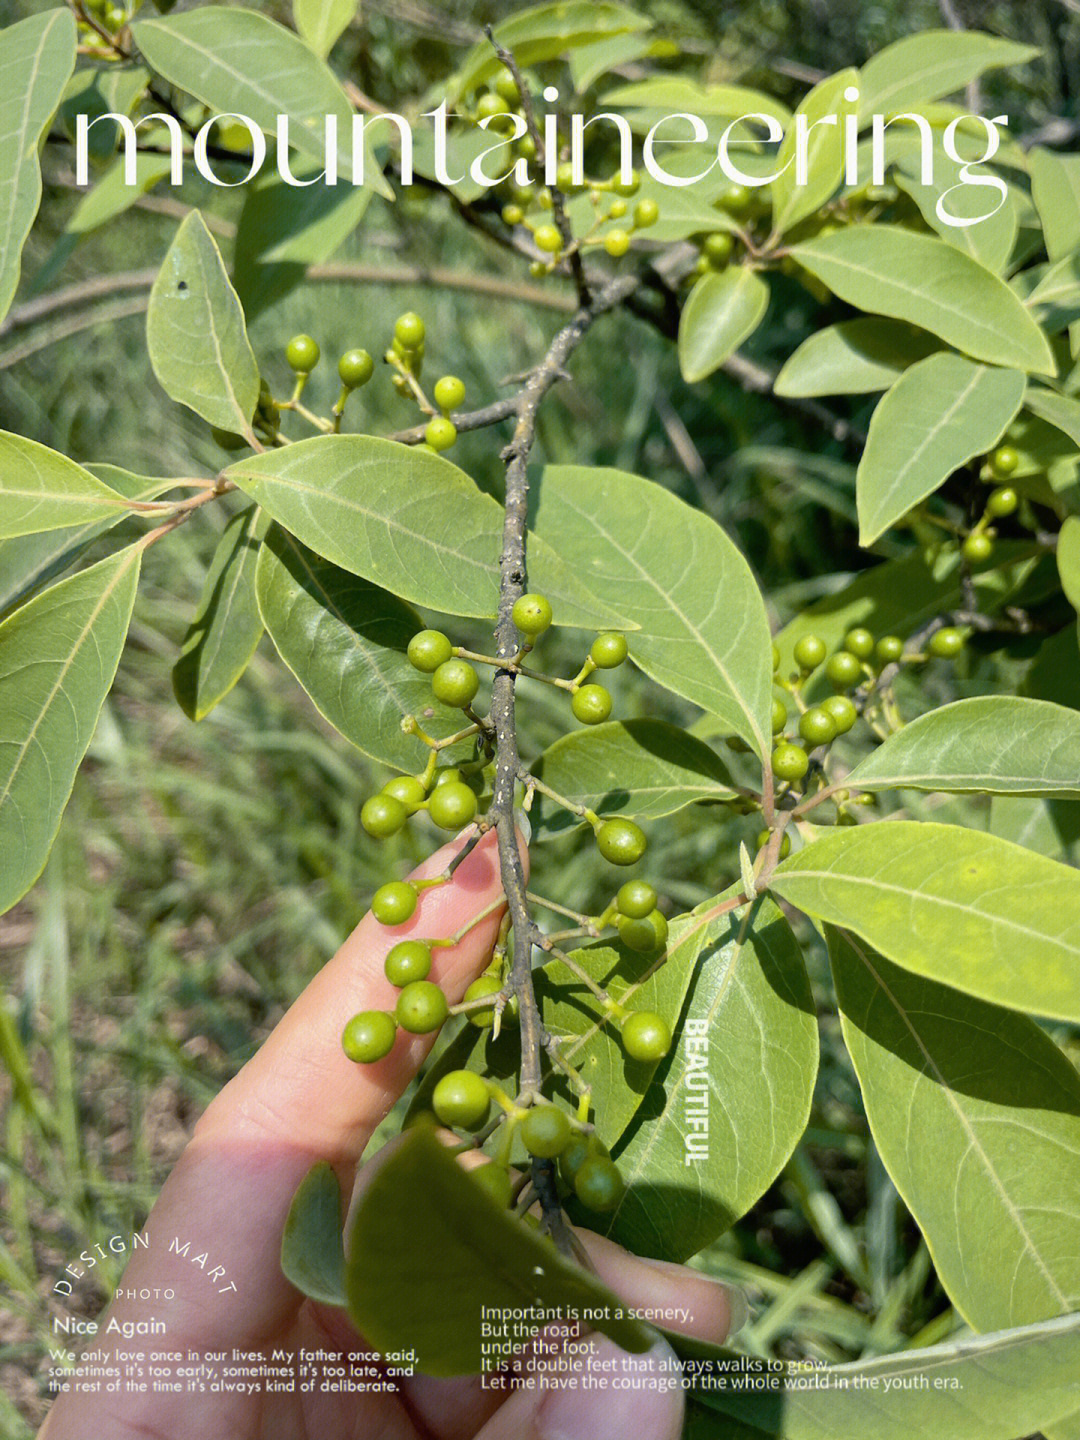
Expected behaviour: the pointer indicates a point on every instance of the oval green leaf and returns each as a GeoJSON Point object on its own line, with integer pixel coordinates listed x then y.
{"type": "Point", "coordinates": [940, 414]}
{"type": "Point", "coordinates": [956, 1087]}
{"type": "Point", "coordinates": [312, 1248]}
{"type": "Point", "coordinates": [1061, 411]}
{"type": "Point", "coordinates": [58, 657]}
{"type": "Point", "coordinates": [1055, 189]}
{"type": "Point", "coordinates": [704, 632]}
{"type": "Point", "coordinates": [856, 357]}
{"type": "Point", "coordinates": [931, 64]}
{"type": "Point", "coordinates": [965, 908]}
{"type": "Point", "coordinates": [43, 490]}
{"type": "Point", "coordinates": [723, 310]}
{"type": "Point", "coordinates": [427, 1297]}
{"type": "Point", "coordinates": [823, 111]}
{"type": "Point", "coordinates": [888, 270]}
{"type": "Point", "coordinates": [321, 22]}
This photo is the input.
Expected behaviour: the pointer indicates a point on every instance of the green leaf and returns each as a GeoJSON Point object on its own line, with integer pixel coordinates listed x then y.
{"type": "Point", "coordinates": [732, 1098]}
{"type": "Point", "coordinates": [1050, 827]}
{"type": "Point", "coordinates": [704, 633]}
{"type": "Point", "coordinates": [988, 1387]}
{"type": "Point", "coordinates": [240, 62]}
{"type": "Point", "coordinates": [112, 195]}
{"type": "Point", "coordinates": [345, 641]}
{"type": "Point", "coordinates": [43, 490]}
{"type": "Point", "coordinates": [856, 357]}
{"type": "Point", "coordinates": [58, 657]}
{"type": "Point", "coordinates": [972, 911]}
{"type": "Point", "coordinates": [996, 744]}
{"type": "Point", "coordinates": [991, 235]}
{"type": "Point", "coordinates": [940, 414]}
{"type": "Point", "coordinates": [723, 310]}
{"type": "Point", "coordinates": [643, 768]}
{"type": "Point", "coordinates": [677, 95]}
{"type": "Point", "coordinates": [312, 1251]}
{"type": "Point", "coordinates": [589, 62]}
{"type": "Point", "coordinates": [888, 270]}
{"type": "Point", "coordinates": [38, 58]}
{"type": "Point", "coordinates": [1055, 189]}
{"type": "Point", "coordinates": [1055, 299]}
{"type": "Point", "coordinates": [321, 22]}
{"type": "Point", "coordinates": [428, 1296]}
{"type": "Point", "coordinates": [112, 88]}
{"type": "Point", "coordinates": [931, 64]}
{"type": "Point", "coordinates": [544, 32]}
{"type": "Point", "coordinates": [956, 1087]}
{"type": "Point", "coordinates": [824, 149]}
{"type": "Point", "coordinates": [196, 335]}
{"type": "Point", "coordinates": [221, 639]}
{"type": "Point", "coordinates": [412, 523]}
{"type": "Point", "coordinates": [1068, 561]}
{"type": "Point", "coordinates": [1061, 411]}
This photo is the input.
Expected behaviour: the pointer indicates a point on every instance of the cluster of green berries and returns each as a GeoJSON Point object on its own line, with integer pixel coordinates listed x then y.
{"type": "Point", "coordinates": [454, 681]}
{"type": "Point", "coordinates": [107, 14]}
{"type": "Point", "coordinates": [421, 1005]}
{"type": "Point", "coordinates": [355, 367]}
{"type": "Point", "coordinates": [447, 799]}
{"type": "Point", "coordinates": [1001, 465]}
{"type": "Point", "coordinates": [640, 924]}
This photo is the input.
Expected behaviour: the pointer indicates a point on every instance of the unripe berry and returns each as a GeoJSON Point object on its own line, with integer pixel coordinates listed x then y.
{"type": "Point", "coordinates": [447, 775]}
{"type": "Point", "coordinates": [545, 1131]}
{"type": "Point", "coordinates": [421, 1007]}
{"type": "Point", "coordinates": [621, 842]}
{"type": "Point", "coordinates": [617, 209]}
{"type": "Point", "coordinates": [785, 843]}
{"type": "Point", "coordinates": [598, 1184]}
{"type": "Point", "coordinates": [646, 213]}
{"type": "Point", "coordinates": [842, 711]}
{"type": "Point", "coordinates": [564, 178]}
{"type": "Point", "coordinates": [369, 1036]}
{"type": "Point", "coordinates": [718, 247]}
{"type": "Point", "coordinates": [428, 649]}
{"type": "Point", "coordinates": [512, 214]}
{"type": "Point", "coordinates": [409, 330]}
{"type": "Point", "coordinates": [809, 652]}
{"type": "Point", "coordinates": [449, 392]}
{"type": "Point", "coordinates": [617, 243]}
{"type": "Point", "coordinates": [790, 762]}
{"type": "Point", "coordinates": [608, 651]}
{"type": "Point", "coordinates": [440, 433]}
{"type": "Point", "coordinates": [1002, 502]}
{"type": "Point", "coordinates": [737, 201]}
{"type": "Point", "coordinates": [859, 642]}
{"type": "Point", "coordinates": [816, 726]}
{"type": "Point", "coordinates": [843, 669]}
{"type": "Point", "coordinates": [977, 548]}
{"type": "Point", "coordinates": [408, 961]}
{"type": "Point", "coordinates": [635, 899]}
{"type": "Point", "coordinates": [779, 715]}
{"type": "Point", "coordinates": [455, 683]}
{"type": "Point", "coordinates": [506, 86]}
{"type": "Point", "coordinates": [946, 643]}
{"type": "Point", "coordinates": [630, 186]}
{"type": "Point", "coordinates": [889, 649]}
{"type": "Point", "coordinates": [548, 239]}
{"type": "Point", "coordinates": [1003, 462]}
{"type": "Point", "coordinates": [491, 104]}
{"type": "Point", "coordinates": [302, 353]}
{"type": "Point", "coordinates": [483, 1017]}
{"type": "Point", "coordinates": [394, 902]}
{"type": "Point", "coordinates": [408, 790]}
{"type": "Point", "coordinates": [461, 1098]}
{"type": "Point", "coordinates": [382, 816]}
{"type": "Point", "coordinates": [355, 368]}
{"type": "Point", "coordinates": [591, 704]}
{"type": "Point", "coordinates": [646, 1035]}
{"type": "Point", "coordinates": [452, 806]}
{"type": "Point", "coordinates": [646, 935]}
{"type": "Point", "coordinates": [532, 614]}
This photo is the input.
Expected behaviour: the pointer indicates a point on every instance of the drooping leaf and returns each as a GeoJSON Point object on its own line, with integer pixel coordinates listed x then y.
{"type": "Point", "coordinates": [321, 22]}
{"type": "Point", "coordinates": [997, 744]}
{"type": "Point", "coordinates": [58, 657]}
{"type": "Point", "coordinates": [428, 1297]}
{"type": "Point", "coordinates": [196, 335]}
{"type": "Point", "coordinates": [238, 61]}
{"type": "Point", "coordinates": [112, 195]}
{"type": "Point", "coordinates": [1055, 189]}
{"type": "Point", "coordinates": [37, 56]}
{"type": "Point", "coordinates": [965, 908]}
{"type": "Point", "coordinates": [888, 270]}
{"type": "Point", "coordinates": [412, 523]}
{"type": "Point", "coordinates": [345, 641]}
{"type": "Point", "coordinates": [41, 489]}
{"type": "Point", "coordinates": [222, 637]}
{"type": "Point", "coordinates": [940, 414]}
{"type": "Point", "coordinates": [544, 32]}
{"type": "Point", "coordinates": [823, 111]}
{"type": "Point", "coordinates": [642, 768]}
{"type": "Point", "coordinates": [722, 312]}
{"type": "Point", "coordinates": [1061, 411]}
{"type": "Point", "coordinates": [856, 357]}
{"type": "Point", "coordinates": [931, 64]}
{"type": "Point", "coordinates": [729, 1103]}
{"type": "Point", "coordinates": [956, 1087]}
{"type": "Point", "coordinates": [312, 1249]}
{"type": "Point", "coordinates": [704, 633]}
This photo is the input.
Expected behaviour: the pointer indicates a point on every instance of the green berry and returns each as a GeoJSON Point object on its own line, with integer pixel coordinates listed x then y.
{"type": "Point", "coordinates": [635, 899]}
{"type": "Point", "coordinates": [1003, 462]}
{"type": "Point", "coordinates": [646, 1035]}
{"type": "Point", "coordinates": [647, 935]}
{"type": "Point", "coordinates": [598, 1184]}
{"type": "Point", "coordinates": [617, 209]}
{"type": "Point", "coordinates": [369, 1036]}
{"type": "Point", "coordinates": [440, 433]}
{"type": "Point", "coordinates": [581, 1147]}
{"type": "Point", "coordinates": [1002, 502]}
{"type": "Point", "coordinates": [461, 1098]}
{"type": "Point", "coordinates": [409, 330]}
{"type": "Point", "coordinates": [355, 368]}
{"type": "Point", "coordinates": [421, 1007]}
{"type": "Point", "coordinates": [302, 353]}
{"type": "Point", "coordinates": [532, 614]}
{"type": "Point", "coordinates": [843, 669]}
{"type": "Point", "coordinates": [408, 961]}
{"type": "Point", "coordinates": [512, 214]}
{"type": "Point", "coordinates": [408, 790]}
{"type": "Point", "coordinates": [809, 652]}
{"type": "Point", "coordinates": [790, 762]}
{"type": "Point", "coordinates": [428, 649]}
{"type": "Point", "coordinates": [977, 548]}
{"type": "Point", "coordinates": [449, 392]}
{"type": "Point", "coordinates": [564, 178]}
{"type": "Point", "coordinates": [591, 704]}
{"type": "Point", "coordinates": [779, 715]}
{"type": "Point", "coordinates": [506, 86]}
{"type": "Point", "coordinates": [455, 683]}
{"type": "Point", "coordinates": [718, 247]}
{"type": "Point", "coordinates": [775, 658]}
{"type": "Point", "coordinates": [859, 642]}
{"type": "Point", "coordinates": [383, 816]}
{"type": "Point", "coordinates": [621, 841]}
{"type": "Point", "coordinates": [646, 213]}
{"type": "Point", "coordinates": [617, 243]}
{"type": "Point", "coordinates": [448, 775]}
{"type": "Point", "coordinates": [452, 806]}
{"type": "Point", "coordinates": [946, 643]}
{"type": "Point", "coordinates": [630, 186]}
{"type": "Point", "coordinates": [483, 1017]}
{"type": "Point", "coordinates": [842, 711]}
{"type": "Point", "coordinates": [737, 201]}
{"type": "Point", "coordinates": [545, 1131]}
{"type": "Point", "coordinates": [816, 726]}
{"type": "Point", "coordinates": [889, 649]}
{"type": "Point", "coordinates": [785, 843]}
{"type": "Point", "coordinates": [608, 651]}
{"type": "Point", "coordinates": [495, 1181]}
{"type": "Point", "coordinates": [491, 104]}
{"type": "Point", "coordinates": [394, 903]}
{"type": "Point", "coordinates": [548, 239]}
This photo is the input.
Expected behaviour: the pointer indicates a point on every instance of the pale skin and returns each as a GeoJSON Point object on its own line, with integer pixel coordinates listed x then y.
{"type": "Point", "coordinates": [297, 1101]}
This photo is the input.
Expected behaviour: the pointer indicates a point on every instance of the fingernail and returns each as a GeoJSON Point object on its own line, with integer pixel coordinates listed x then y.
{"type": "Point", "coordinates": [738, 1308]}
{"type": "Point", "coordinates": [636, 1395]}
